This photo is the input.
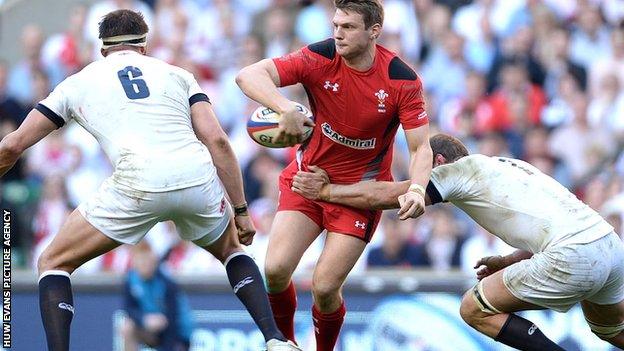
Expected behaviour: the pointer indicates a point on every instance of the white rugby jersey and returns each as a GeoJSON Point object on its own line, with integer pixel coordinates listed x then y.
{"type": "Point", "coordinates": [516, 202]}
{"type": "Point", "coordinates": [138, 108]}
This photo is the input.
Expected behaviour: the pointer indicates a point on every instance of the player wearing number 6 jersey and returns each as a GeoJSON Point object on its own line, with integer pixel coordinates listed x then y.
{"type": "Point", "coordinates": [169, 152]}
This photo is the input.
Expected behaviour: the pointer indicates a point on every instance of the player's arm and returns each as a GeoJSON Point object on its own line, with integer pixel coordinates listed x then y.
{"type": "Point", "coordinates": [413, 201]}
{"type": "Point", "coordinates": [34, 128]}
{"type": "Point", "coordinates": [259, 82]}
{"type": "Point", "coordinates": [367, 195]}
{"type": "Point", "coordinates": [315, 185]}
{"type": "Point", "coordinates": [209, 132]}
{"type": "Point", "coordinates": [491, 264]}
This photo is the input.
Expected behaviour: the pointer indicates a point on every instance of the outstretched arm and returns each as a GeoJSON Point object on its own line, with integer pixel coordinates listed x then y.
{"type": "Point", "coordinates": [34, 128]}
{"type": "Point", "coordinates": [315, 185]}
{"type": "Point", "coordinates": [209, 132]}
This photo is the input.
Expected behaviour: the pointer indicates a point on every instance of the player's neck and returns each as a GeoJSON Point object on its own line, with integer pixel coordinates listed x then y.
{"type": "Point", "coordinates": [362, 62]}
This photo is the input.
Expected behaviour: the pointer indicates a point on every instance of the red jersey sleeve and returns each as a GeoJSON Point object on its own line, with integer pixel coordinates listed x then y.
{"type": "Point", "coordinates": [412, 113]}
{"type": "Point", "coordinates": [291, 67]}
{"type": "Point", "coordinates": [299, 66]}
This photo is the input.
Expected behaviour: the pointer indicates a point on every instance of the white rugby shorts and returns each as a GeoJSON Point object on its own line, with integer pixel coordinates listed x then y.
{"type": "Point", "coordinates": [561, 276]}
{"type": "Point", "coordinates": [200, 213]}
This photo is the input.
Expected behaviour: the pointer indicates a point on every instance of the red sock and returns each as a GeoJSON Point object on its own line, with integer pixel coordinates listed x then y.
{"type": "Point", "coordinates": [327, 327]}
{"type": "Point", "coordinates": [284, 305]}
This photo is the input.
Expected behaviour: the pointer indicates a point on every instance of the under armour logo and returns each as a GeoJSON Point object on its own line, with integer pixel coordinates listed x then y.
{"type": "Point", "coordinates": [532, 329]}
{"type": "Point", "coordinates": [242, 283]}
{"type": "Point", "coordinates": [66, 306]}
{"type": "Point", "coordinates": [328, 84]}
{"type": "Point", "coordinates": [360, 225]}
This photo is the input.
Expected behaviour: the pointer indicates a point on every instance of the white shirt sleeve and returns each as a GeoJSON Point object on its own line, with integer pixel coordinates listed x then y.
{"type": "Point", "coordinates": [450, 180]}
{"type": "Point", "coordinates": [57, 106]}
{"type": "Point", "coordinates": [195, 92]}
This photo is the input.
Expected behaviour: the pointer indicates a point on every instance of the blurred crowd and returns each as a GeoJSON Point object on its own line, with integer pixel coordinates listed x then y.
{"type": "Point", "coordinates": [540, 80]}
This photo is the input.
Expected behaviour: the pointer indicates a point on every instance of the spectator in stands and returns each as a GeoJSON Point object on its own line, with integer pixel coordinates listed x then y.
{"type": "Point", "coordinates": [578, 145]}
{"type": "Point", "coordinates": [10, 108]}
{"type": "Point", "coordinates": [159, 315]}
{"type": "Point", "coordinates": [443, 247]}
{"type": "Point", "coordinates": [590, 37]}
{"type": "Point", "coordinates": [608, 63]}
{"type": "Point", "coordinates": [444, 72]}
{"type": "Point", "coordinates": [606, 110]}
{"type": "Point", "coordinates": [397, 248]}
{"type": "Point", "coordinates": [516, 88]}
{"type": "Point", "coordinates": [66, 53]}
{"type": "Point", "coordinates": [21, 79]}
{"type": "Point", "coordinates": [471, 114]}
{"type": "Point", "coordinates": [555, 59]}
{"type": "Point", "coordinates": [52, 211]}
{"type": "Point", "coordinates": [481, 244]}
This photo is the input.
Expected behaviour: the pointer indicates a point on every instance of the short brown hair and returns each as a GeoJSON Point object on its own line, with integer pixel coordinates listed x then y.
{"type": "Point", "coordinates": [450, 147]}
{"type": "Point", "coordinates": [122, 22]}
{"type": "Point", "coordinates": [371, 10]}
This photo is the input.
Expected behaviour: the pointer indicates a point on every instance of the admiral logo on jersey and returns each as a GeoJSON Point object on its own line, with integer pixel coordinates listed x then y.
{"type": "Point", "coordinates": [360, 144]}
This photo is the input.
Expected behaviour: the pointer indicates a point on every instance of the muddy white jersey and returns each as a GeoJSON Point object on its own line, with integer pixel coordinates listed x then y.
{"type": "Point", "coordinates": [516, 202]}
{"type": "Point", "coordinates": [138, 108]}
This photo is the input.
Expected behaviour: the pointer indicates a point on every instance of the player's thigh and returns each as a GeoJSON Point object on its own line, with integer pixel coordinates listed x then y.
{"type": "Point", "coordinates": [491, 295]}
{"type": "Point", "coordinates": [292, 232]}
{"type": "Point", "coordinates": [604, 314]}
{"type": "Point", "coordinates": [76, 243]}
{"type": "Point", "coordinates": [221, 242]}
{"type": "Point", "coordinates": [338, 257]}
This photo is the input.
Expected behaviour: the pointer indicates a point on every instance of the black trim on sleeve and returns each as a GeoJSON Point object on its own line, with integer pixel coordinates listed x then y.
{"type": "Point", "coordinates": [197, 98]}
{"type": "Point", "coordinates": [434, 194]}
{"type": "Point", "coordinates": [397, 69]}
{"type": "Point", "coordinates": [52, 116]}
{"type": "Point", "coordinates": [326, 48]}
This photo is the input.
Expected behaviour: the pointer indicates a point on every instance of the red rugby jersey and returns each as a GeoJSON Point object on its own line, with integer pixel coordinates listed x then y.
{"type": "Point", "coordinates": [356, 113]}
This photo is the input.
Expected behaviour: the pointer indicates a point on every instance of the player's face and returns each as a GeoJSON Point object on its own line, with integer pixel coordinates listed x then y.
{"type": "Point", "coordinates": [352, 38]}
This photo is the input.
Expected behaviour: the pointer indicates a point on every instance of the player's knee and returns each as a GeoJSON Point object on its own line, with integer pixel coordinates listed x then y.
{"type": "Point", "coordinates": [277, 276]}
{"type": "Point", "coordinates": [325, 290]}
{"type": "Point", "coordinates": [49, 261]}
{"type": "Point", "coordinates": [468, 310]}
{"type": "Point", "coordinates": [606, 332]}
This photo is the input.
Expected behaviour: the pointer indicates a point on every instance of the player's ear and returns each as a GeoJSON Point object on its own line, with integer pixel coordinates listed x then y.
{"type": "Point", "coordinates": [375, 31]}
{"type": "Point", "coordinates": [103, 52]}
{"type": "Point", "coordinates": [438, 160]}
{"type": "Point", "coordinates": [143, 50]}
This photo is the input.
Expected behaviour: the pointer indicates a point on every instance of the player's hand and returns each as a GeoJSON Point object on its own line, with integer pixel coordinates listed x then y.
{"type": "Point", "coordinates": [246, 229]}
{"type": "Point", "coordinates": [412, 205]}
{"type": "Point", "coordinates": [155, 322]}
{"type": "Point", "coordinates": [291, 127]}
{"type": "Point", "coordinates": [489, 265]}
{"type": "Point", "coordinates": [312, 185]}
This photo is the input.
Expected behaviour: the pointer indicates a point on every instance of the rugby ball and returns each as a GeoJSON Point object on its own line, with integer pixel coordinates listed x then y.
{"type": "Point", "coordinates": [263, 126]}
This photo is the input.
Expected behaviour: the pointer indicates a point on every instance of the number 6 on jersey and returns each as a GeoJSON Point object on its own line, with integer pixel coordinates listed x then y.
{"type": "Point", "coordinates": [134, 87]}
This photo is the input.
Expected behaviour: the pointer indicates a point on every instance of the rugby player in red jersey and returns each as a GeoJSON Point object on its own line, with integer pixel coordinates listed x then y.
{"type": "Point", "coordinates": [359, 93]}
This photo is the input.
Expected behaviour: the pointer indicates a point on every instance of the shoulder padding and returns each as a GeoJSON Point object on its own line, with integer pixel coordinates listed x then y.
{"type": "Point", "coordinates": [397, 69]}
{"type": "Point", "coordinates": [326, 48]}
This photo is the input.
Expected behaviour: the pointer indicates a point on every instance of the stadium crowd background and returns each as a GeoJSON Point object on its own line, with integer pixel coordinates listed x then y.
{"type": "Point", "coordinates": [540, 80]}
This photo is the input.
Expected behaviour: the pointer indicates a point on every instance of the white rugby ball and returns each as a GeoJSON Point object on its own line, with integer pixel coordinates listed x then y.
{"type": "Point", "coordinates": [263, 126]}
